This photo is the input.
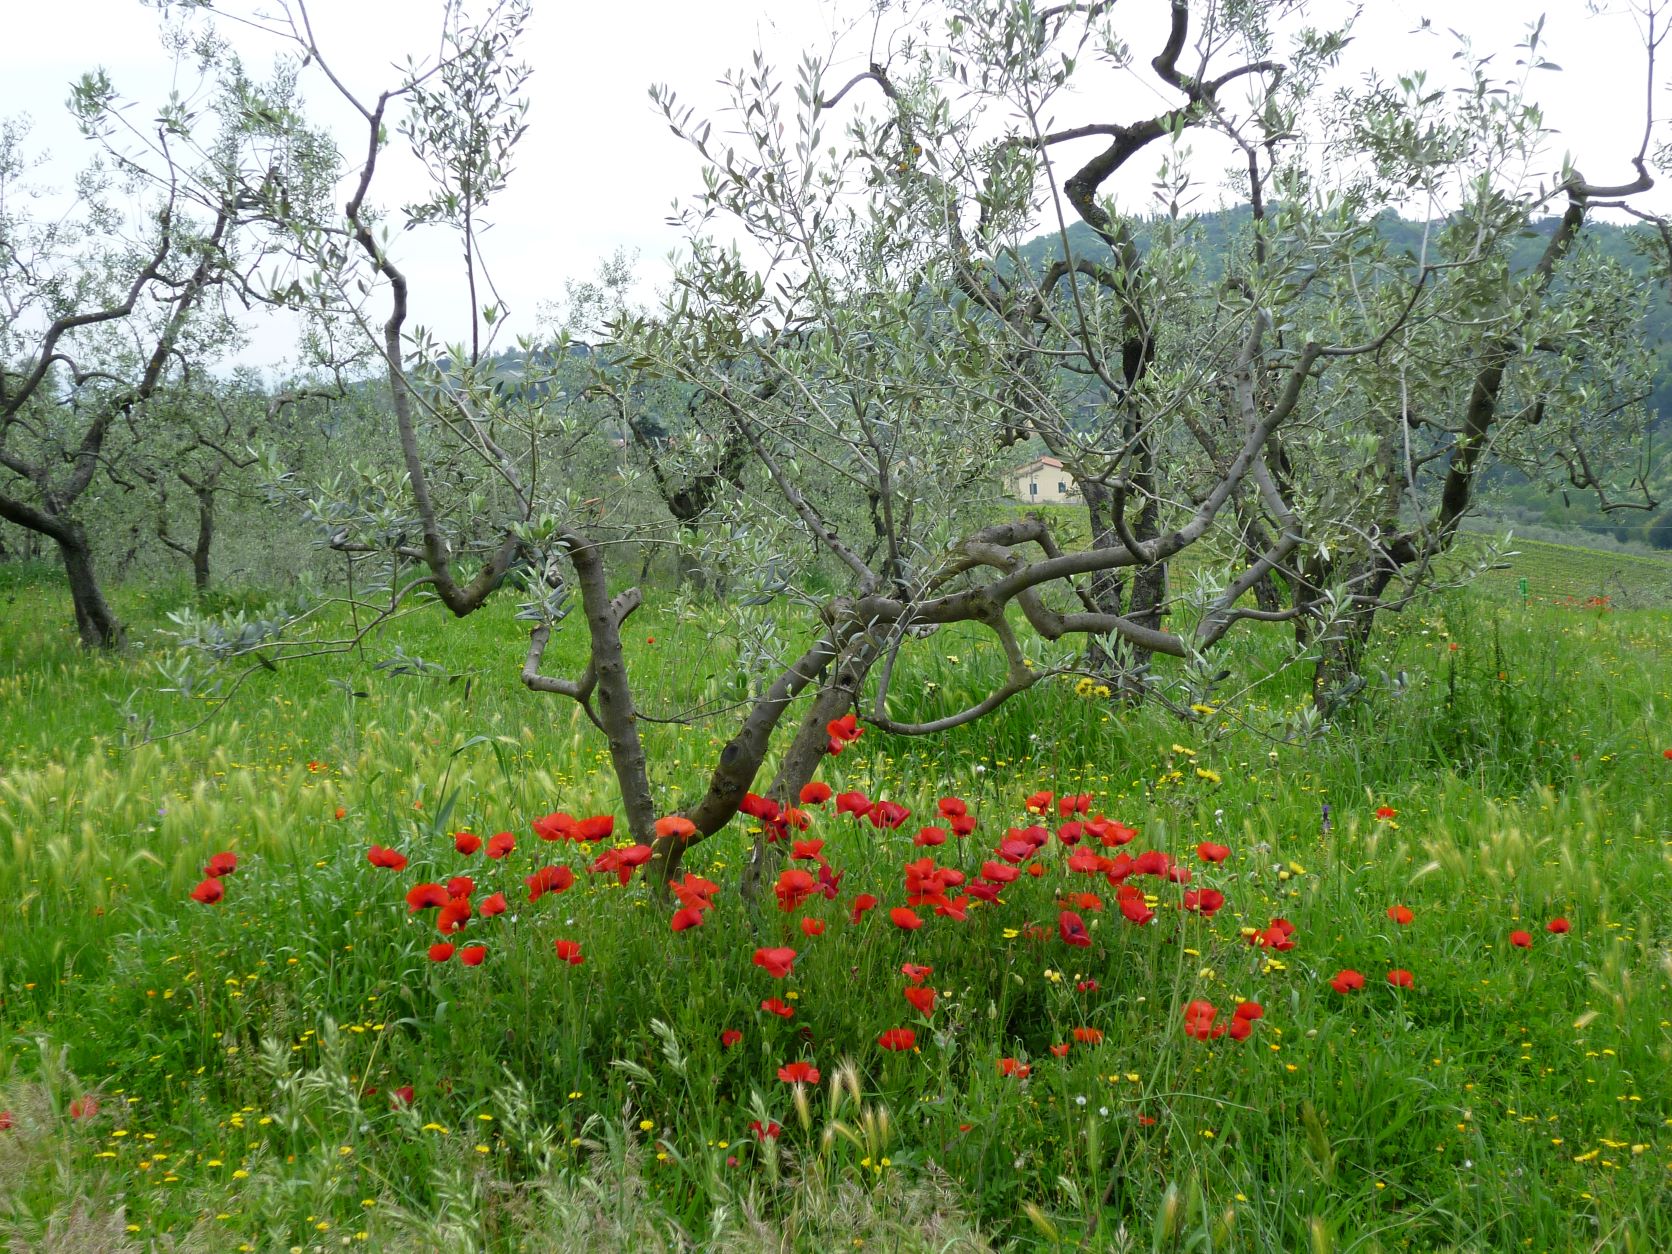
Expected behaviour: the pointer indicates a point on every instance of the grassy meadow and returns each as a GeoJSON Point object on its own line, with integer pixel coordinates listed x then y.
{"type": "Point", "coordinates": [289, 1068]}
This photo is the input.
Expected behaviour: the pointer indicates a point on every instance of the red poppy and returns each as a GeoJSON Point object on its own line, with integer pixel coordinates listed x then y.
{"type": "Point", "coordinates": [1400, 914]}
{"type": "Point", "coordinates": [401, 1096]}
{"type": "Point", "coordinates": [794, 886]}
{"type": "Point", "coordinates": [1346, 981]}
{"type": "Point", "coordinates": [1207, 851]}
{"type": "Point", "coordinates": [777, 1006]}
{"type": "Point", "coordinates": [1401, 978]}
{"type": "Point", "coordinates": [922, 999]}
{"type": "Point", "coordinates": [1011, 1067]}
{"type": "Point", "coordinates": [828, 885]}
{"type": "Point", "coordinates": [1521, 940]}
{"type": "Point", "coordinates": [1111, 833]}
{"type": "Point", "coordinates": [1279, 936]}
{"type": "Point", "coordinates": [598, 827]}
{"type": "Point", "coordinates": [1088, 986]}
{"type": "Point", "coordinates": [425, 897]}
{"type": "Point", "coordinates": [905, 918]}
{"type": "Point", "coordinates": [862, 903]}
{"type": "Point", "coordinates": [1241, 1029]}
{"type": "Point", "coordinates": [468, 843]}
{"type": "Point", "coordinates": [621, 862]}
{"type": "Point", "coordinates": [1072, 928]}
{"type": "Point", "coordinates": [675, 826]}
{"type": "Point", "coordinates": [999, 873]}
{"type": "Point", "coordinates": [842, 732]}
{"type": "Point", "coordinates": [854, 803]}
{"type": "Point", "coordinates": [897, 1039]}
{"type": "Point", "coordinates": [695, 891]}
{"type": "Point", "coordinates": [5, 1121]}
{"type": "Point", "coordinates": [549, 879]}
{"type": "Point", "coordinates": [492, 905]}
{"type": "Point", "coordinates": [812, 927]}
{"type": "Point", "coordinates": [500, 844]}
{"type": "Point", "coordinates": [461, 886]}
{"type": "Point", "coordinates": [1079, 803]}
{"type": "Point", "coordinates": [798, 1073]}
{"type": "Point", "coordinates": [730, 1037]}
{"type": "Point", "coordinates": [1089, 1036]}
{"type": "Point", "coordinates": [1199, 1021]}
{"type": "Point", "coordinates": [888, 814]}
{"type": "Point", "coordinates": [341, 813]}
{"type": "Point", "coordinates": [815, 793]}
{"type": "Point", "coordinates": [1388, 812]}
{"type": "Point", "coordinates": [1035, 834]}
{"type": "Point", "coordinates": [1135, 908]}
{"type": "Point", "coordinates": [451, 917]}
{"type": "Point", "coordinates": [957, 909]}
{"type": "Point", "coordinates": [223, 864]}
{"type": "Point", "coordinates": [1014, 849]}
{"type": "Point", "coordinates": [1060, 1051]}
{"type": "Point", "coordinates": [929, 837]}
{"type": "Point", "coordinates": [1205, 901]}
{"type": "Point", "coordinates": [1558, 925]}
{"type": "Point", "coordinates": [962, 824]}
{"type": "Point", "coordinates": [208, 892]}
{"type": "Point", "coordinates": [390, 859]}
{"type": "Point", "coordinates": [776, 962]}
{"type": "Point", "coordinates": [557, 826]}
{"type": "Point", "coordinates": [915, 973]}
{"type": "Point", "coordinates": [1039, 802]}
{"type": "Point", "coordinates": [441, 951]}
{"type": "Point", "coordinates": [768, 1133]}
{"type": "Point", "coordinates": [1667, 754]}
{"type": "Point", "coordinates": [84, 1107]}
{"type": "Point", "coordinates": [472, 955]}
{"type": "Point", "coordinates": [758, 807]}
{"type": "Point", "coordinates": [1088, 862]}
{"type": "Point", "coordinates": [686, 917]}
{"type": "Point", "coordinates": [569, 951]}
{"type": "Point", "coordinates": [951, 807]}
{"type": "Point", "coordinates": [1071, 833]}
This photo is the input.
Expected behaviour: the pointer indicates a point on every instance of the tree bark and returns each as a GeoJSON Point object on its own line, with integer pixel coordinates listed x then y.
{"type": "Point", "coordinates": [205, 540]}
{"type": "Point", "coordinates": [96, 623]}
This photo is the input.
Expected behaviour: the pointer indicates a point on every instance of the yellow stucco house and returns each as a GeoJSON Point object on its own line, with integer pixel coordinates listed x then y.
{"type": "Point", "coordinates": [1042, 481]}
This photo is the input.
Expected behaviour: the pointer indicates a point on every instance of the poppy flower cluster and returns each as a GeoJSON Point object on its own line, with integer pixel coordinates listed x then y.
{"type": "Point", "coordinates": [696, 897]}
{"type": "Point", "coordinates": [621, 862]}
{"type": "Point", "coordinates": [560, 826]}
{"type": "Point", "coordinates": [842, 732]}
{"type": "Point", "coordinates": [1200, 1017]}
{"type": "Point", "coordinates": [1279, 934]}
{"type": "Point", "coordinates": [210, 889]}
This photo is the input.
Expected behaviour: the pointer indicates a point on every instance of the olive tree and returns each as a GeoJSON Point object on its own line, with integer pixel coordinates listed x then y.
{"type": "Point", "coordinates": [855, 317]}
{"type": "Point", "coordinates": [113, 293]}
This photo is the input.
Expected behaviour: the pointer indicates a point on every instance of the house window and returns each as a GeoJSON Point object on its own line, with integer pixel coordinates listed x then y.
{"type": "Point", "coordinates": [1062, 488]}
{"type": "Point", "coordinates": [1033, 489]}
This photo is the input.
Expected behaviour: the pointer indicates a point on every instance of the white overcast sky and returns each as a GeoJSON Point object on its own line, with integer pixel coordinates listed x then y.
{"type": "Point", "coordinates": [599, 170]}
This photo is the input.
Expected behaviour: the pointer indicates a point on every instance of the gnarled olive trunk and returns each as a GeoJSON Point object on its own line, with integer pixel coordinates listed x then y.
{"type": "Point", "coordinates": [96, 623]}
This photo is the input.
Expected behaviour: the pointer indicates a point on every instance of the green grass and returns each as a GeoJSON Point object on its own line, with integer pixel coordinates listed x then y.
{"type": "Point", "coordinates": [1512, 1099]}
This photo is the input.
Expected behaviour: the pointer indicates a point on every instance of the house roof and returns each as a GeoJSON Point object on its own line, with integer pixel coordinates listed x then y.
{"type": "Point", "coordinates": [1036, 464]}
